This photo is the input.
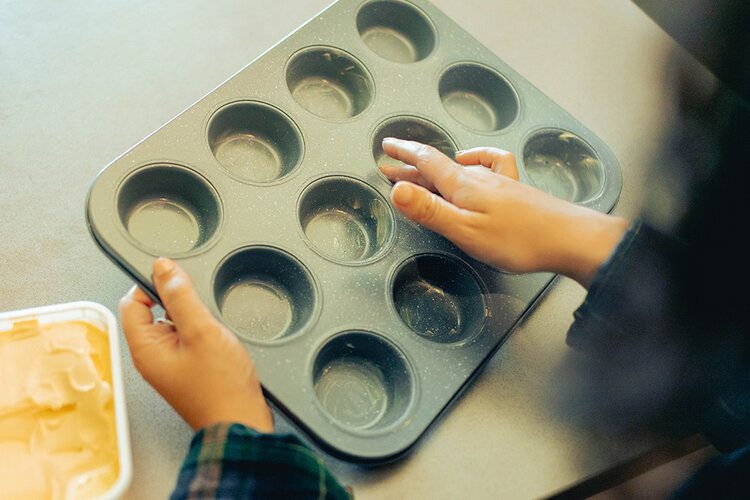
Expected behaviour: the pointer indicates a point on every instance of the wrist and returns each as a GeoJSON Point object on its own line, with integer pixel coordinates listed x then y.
{"type": "Point", "coordinates": [258, 417]}
{"type": "Point", "coordinates": [587, 240]}
{"type": "Point", "coordinates": [262, 424]}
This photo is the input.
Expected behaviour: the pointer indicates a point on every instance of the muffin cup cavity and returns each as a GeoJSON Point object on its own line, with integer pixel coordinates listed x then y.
{"type": "Point", "coordinates": [329, 83]}
{"type": "Point", "coordinates": [396, 31]}
{"type": "Point", "coordinates": [264, 294]}
{"type": "Point", "coordinates": [362, 381]}
{"type": "Point", "coordinates": [168, 210]}
{"type": "Point", "coordinates": [478, 97]}
{"type": "Point", "coordinates": [439, 298]}
{"type": "Point", "coordinates": [255, 142]}
{"type": "Point", "coordinates": [563, 165]}
{"type": "Point", "coordinates": [345, 220]}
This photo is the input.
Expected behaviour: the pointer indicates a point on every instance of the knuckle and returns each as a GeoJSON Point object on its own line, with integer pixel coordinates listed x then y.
{"type": "Point", "coordinates": [460, 196]}
{"type": "Point", "coordinates": [501, 155]}
{"type": "Point", "coordinates": [456, 177]}
{"type": "Point", "coordinates": [429, 211]}
{"type": "Point", "coordinates": [426, 153]}
{"type": "Point", "coordinates": [206, 327]}
{"type": "Point", "coordinates": [178, 292]}
{"type": "Point", "coordinates": [499, 152]}
{"type": "Point", "coordinates": [459, 176]}
{"type": "Point", "coordinates": [474, 226]}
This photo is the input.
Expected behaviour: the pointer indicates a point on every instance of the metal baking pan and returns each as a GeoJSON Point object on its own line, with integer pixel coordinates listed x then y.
{"type": "Point", "coordinates": [363, 326]}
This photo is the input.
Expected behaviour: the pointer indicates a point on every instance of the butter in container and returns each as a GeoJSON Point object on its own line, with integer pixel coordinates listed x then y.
{"type": "Point", "coordinates": [63, 425]}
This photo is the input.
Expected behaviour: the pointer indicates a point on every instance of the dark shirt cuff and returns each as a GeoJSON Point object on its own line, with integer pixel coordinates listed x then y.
{"type": "Point", "coordinates": [630, 296]}
{"type": "Point", "coordinates": [650, 354]}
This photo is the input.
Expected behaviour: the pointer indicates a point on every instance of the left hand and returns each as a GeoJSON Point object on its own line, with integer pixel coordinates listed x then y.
{"type": "Point", "coordinates": [196, 364]}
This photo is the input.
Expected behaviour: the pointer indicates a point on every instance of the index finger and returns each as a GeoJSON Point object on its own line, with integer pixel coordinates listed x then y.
{"type": "Point", "coordinates": [434, 166]}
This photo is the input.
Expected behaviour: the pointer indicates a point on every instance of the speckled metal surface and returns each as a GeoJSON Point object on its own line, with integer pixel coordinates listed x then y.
{"type": "Point", "coordinates": [267, 192]}
{"type": "Point", "coordinates": [83, 82]}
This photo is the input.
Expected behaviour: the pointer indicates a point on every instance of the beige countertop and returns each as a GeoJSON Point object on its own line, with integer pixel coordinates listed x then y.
{"type": "Point", "coordinates": [81, 82]}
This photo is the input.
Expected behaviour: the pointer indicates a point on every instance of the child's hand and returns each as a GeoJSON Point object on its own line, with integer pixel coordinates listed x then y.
{"type": "Point", "coordinates": [494, 218]}
{"type": "Point", "coordinates": [197, 365]}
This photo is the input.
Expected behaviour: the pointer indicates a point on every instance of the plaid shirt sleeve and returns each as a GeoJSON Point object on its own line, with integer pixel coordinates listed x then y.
{"type": "Point", "coordinates": [231, 461]}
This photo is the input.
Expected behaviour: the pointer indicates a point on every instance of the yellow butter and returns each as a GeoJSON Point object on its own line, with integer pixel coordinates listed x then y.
{"type": "Point", "coordinates": [57, 422]}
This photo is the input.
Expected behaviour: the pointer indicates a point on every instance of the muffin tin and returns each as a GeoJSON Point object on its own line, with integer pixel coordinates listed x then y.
{"type": "Point", "coordinates": [364, 326]}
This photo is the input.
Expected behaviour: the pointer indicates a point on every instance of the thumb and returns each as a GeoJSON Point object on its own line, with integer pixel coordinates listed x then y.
{"type": "Point", "coordinates": [182, 303]}
{"type": "Point", "coordinates": [431, 211]}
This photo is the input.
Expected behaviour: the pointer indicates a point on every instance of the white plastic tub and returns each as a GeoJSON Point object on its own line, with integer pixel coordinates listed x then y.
{"type": "Point", "coordinates": [101, 317]}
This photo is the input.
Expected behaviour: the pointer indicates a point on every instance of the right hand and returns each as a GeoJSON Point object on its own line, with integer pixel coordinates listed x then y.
{"type": "Point", "coordinates": [491, 216]}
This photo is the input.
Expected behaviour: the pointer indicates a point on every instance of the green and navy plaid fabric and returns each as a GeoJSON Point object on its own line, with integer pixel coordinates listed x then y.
{"type": "Point", "coordinates": [229, 461]}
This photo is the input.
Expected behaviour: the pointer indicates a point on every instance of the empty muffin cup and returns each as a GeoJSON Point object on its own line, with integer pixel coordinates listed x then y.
{"type": "Point", "coordinates": [329, 83]}
{"type": "Point", "coordinates": [255, 142]}
{"type": "Point", "coordinates": [168, 209]}
{"type": "Point", "coordinates": [478, 97]}
{"type": "Point", "coordinates": [264, 294]}
{"type": "Point", "coordinates": [396, 31]}
{"type": "Point", "coordinates": [345, 219]}
{"type": "Point", "coordinates": [440, 298]}
{"type": "Point", "coordinates": [562, 164]}
{"type": "Point", "coordinates": [363, 381]}
{"type": "Point", "coordinates": [410, 128]}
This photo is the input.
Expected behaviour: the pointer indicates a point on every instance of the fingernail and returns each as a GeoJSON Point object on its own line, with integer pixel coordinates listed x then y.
{"type": "Point", "coordinates": [460, 152]}
{"type": "Point", "coordinates": [389, 140]}
{"type": "Point", "coordinates": [163, 266]}
{"type": "Point", "coordinates": [403, 193]}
